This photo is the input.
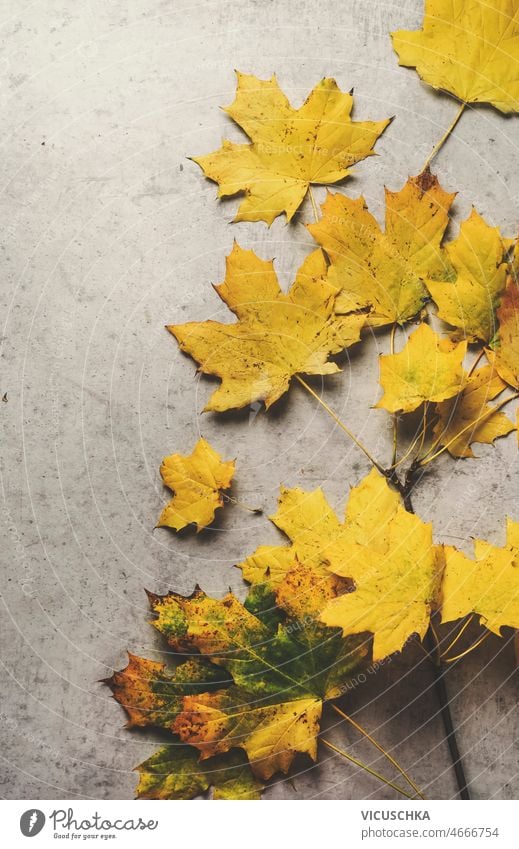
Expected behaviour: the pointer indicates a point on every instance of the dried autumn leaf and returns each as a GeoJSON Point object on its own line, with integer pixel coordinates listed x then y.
{"type": "Point", "coordinates": [467, 417]}
{"type": "Point", "coordinates": [276, 335]}
{"type": "Point", "coordinates": [427, 369]}
{"type": "Point", "coordinates": [469, 48]}
{"type": "Point", "coordinates": [487, 585]}
{"type": "Point", "coordinates": [290, 148]}
{"type": "Point", "coordinates": [175, 772]}
{"type": "Point", "coordinates": [197, 481]}
{"type": "Point", "coordinates": [506, 344]}
{"type": "Point", "coordinates": [384, 272]}
{"type": "Point", "coordinates": [281, 676]}
{"type": "Point", "coordinates": [152, 696]}
{"type": "Point", "coordinates": [389, 554]}
{"type": "Point", "coordinates": [468, 301]}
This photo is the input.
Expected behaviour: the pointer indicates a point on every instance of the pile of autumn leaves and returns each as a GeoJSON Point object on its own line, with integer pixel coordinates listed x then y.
{"type": "Point", "coordinates": [248, 691]}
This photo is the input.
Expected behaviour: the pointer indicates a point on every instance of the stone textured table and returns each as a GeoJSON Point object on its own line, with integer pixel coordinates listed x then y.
{"type": "Point", "coordinates": [109, 232]}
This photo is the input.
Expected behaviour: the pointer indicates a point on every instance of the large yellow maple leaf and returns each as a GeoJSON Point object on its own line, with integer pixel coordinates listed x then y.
{"type": "Point", "coordinates": [384, 272]}
{"type": "Point", "coordinates": [468, 418]}
{"type": "Point", "coordinates": [469, 48]}
{"type": "Point", "coordinates": [197, 481]}
{"type": "Point", "coordinates": [276, 336]}
{"type": "Point", "coordinates": [389, 554]}
{"type": "Point", "coordinates": [290, 148]}
{"type": "Point", "coordinates": [428, 368]}
{"type": "Point", "coordinates": [487, 585]}
{"type": "Point", "coordinates": [469, 300]}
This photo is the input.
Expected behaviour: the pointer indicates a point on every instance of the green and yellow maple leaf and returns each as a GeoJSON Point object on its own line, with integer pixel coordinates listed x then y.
{"type": "Point", "coordinates": [468, 301]}
{"type": "Point", "coordinates": [428, 368]}
{"type": "Point", "coordinates": [469, 48]}
{"type": "Point", "coordinates": [276, 335]}
{"type": "Point", "coordinates": [176, 772]}
{"type": "Point", "coordinates": [281, 677]}
{"type": "Point", "coordinates": [151, 695]}
{"type": "Point", "coordinates": [383, 273]}
{"type": "Point", "coordinates": [289, 149]}
{"type": "Point", "coordinates": [197, 482]}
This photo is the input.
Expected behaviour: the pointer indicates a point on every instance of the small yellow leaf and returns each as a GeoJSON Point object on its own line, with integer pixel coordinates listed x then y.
{"type": "Point", "coordinates": [469, 48]}
{"type": "Point", "coordinates": [197, 481]}
{"type": "Point", "coordinates": [290, 148]}
{"type": "Point", "coordinates": [389, 554]}
{"type": "Point", "coordinates": [487, 585]}
{"type": "Point", "coordinates": [276, 335]}
{"type": "Point", "coordinates": [427, 369]}
{"type": "Point", "coordinates": [469, 302]}
{"type": "Point", "coordinates": [506, 343]}
{"type": "Point", "coordinates": [467, 418]}
{"type": "Point", "coordinates": [383, 272]}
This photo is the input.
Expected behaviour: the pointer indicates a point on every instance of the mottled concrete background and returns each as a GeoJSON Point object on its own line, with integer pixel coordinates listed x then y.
{"type": "Point", "coordinates": [108, 232]}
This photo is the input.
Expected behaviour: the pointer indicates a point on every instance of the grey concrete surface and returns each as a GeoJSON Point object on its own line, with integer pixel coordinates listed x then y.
{"type": "Point", "coordinates": [109, 232]}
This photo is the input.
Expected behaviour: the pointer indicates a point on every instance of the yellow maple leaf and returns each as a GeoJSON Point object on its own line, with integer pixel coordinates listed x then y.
{"type": "Point", "coordinates": [389, 554]}
{"type": "Point", "coordinates": [469, 301]}
{"type": "Point", "coordinates": [276, 335]}
{"type": "Point", "coordinates": [197, 481]}
{"type": "Point", "coordinates": [487, 585]}
{"type": "Point", "coordinates": [290, 148]}
{"type": "Point", "coordinates": [427, 369]}
{"type": "Point", "coordinates": [505, 346]}
{"type": "Point", "coordinates": [383, 272]}
{"type": "Point", "coordinates": [469, 48]}
{"type": "Point", "coordinates": [468, 418]}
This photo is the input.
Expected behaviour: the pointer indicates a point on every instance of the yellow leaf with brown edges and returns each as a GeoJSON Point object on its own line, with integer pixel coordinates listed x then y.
{"type": "Point", "coordinates": [487, 585]}
{"type": "Point", "coordinates": [276, 336]}
{"type": "Point", "coordinates": [198, 481]}
{"type": "Point", "coordinates": [428, 368]}
{"type": "Point", "coordinates": [469, 48]}
{"type": "Point", "coordinates": [289, 149]}
{"type": "Point", "coordinates": [468, 418]}
{"type": "Point", "coordinates": [468, 302]}
{"type": "Point", "coordinates": [383, 273]}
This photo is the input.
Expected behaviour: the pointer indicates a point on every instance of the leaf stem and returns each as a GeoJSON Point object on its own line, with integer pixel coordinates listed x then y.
{"type": "Point", "coordinates": [459, 634]}
{"type": "Point", "coordinates": [380, 748]}
{"type": "Point", "coordinates": [395, 416]}
{"type": "Point", "coordinates": [257, 510]}
{"type": "Point", "coordinates": [428, 459]}
{"type": "Point", "coordinates": [314, 204]}
{"type": "Point", "coordinates": [364, 766]}
{"type": "Point", "coordinates": [341, 424]}
{"type": "Point", "coordinates": [470, 649]}
{"type": "Point", "coordinates": [437, 147]}
{"type": "Point", "coordinates": [431, 644]}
